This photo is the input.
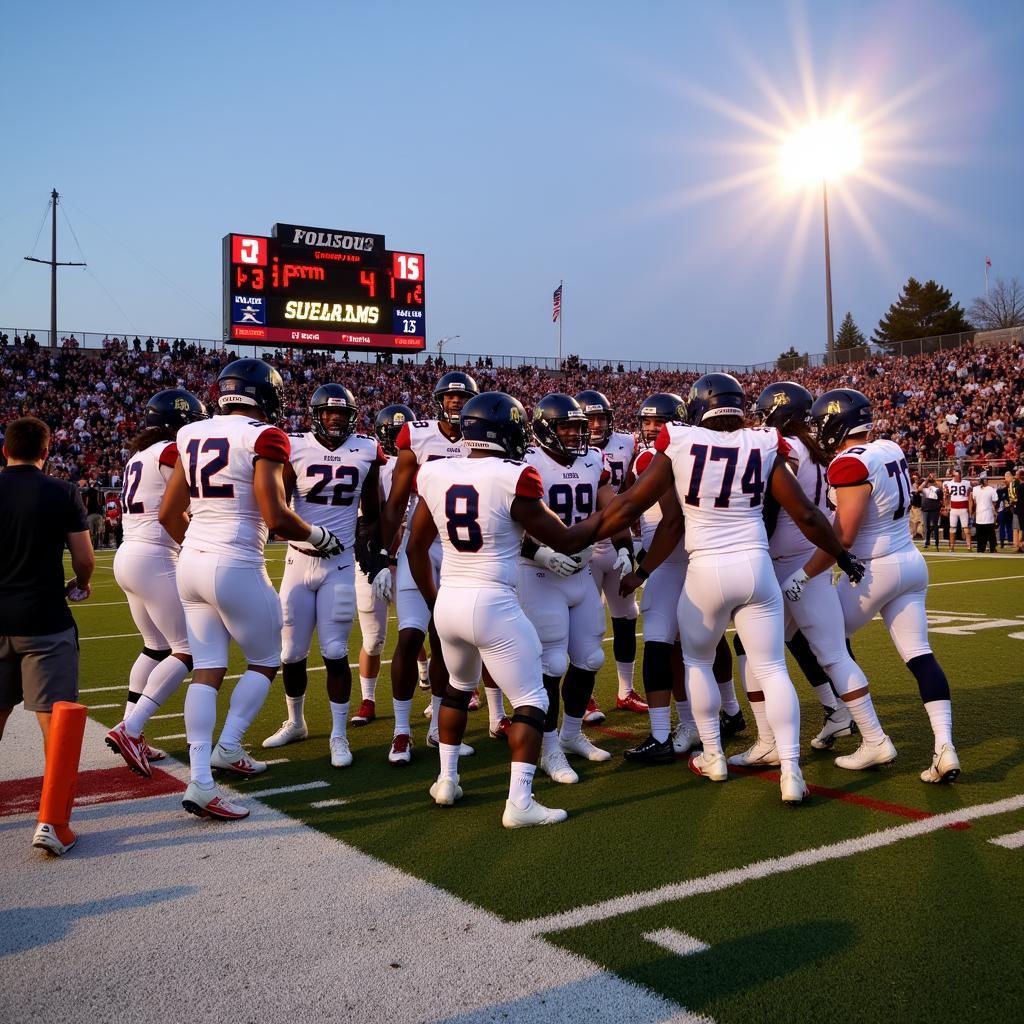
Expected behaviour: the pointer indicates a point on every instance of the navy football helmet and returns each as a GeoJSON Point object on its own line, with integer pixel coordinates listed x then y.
{"type": "Point", "coordinates": [496, 422]}
{"type": "Point", "coordinates": [558, 410]}
{"type": "Point", "coordinates": [250, 382]}
{"type": "Point", "coordinates": [782, 403]}
{"type": "Point", "coordinates": [173, 408]}
{"type": "Point", "coordinates": [596, 404]}
{"type": "Point", "coordinates": [662, 406]}
{"type": "Point", "coordinates": [714, 395]}
{"type": "Point", "coordinates": [389, 422]}
{"type": "Point", "coordinates": [839, 413]}
{"type": "Point", "coordinates": [453, 382]}
{"type": "Point", "coordinates": [332, 398]}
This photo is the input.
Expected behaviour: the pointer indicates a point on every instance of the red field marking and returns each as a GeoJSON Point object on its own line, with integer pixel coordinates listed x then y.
{"type": "Point", "coordinates": [100, 786]}
{"type": "Point", "coordinates": [831, 794]}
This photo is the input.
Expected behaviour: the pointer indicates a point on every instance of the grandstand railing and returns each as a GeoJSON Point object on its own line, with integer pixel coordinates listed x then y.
{"type": "Point", "coordinates": [92, 340]}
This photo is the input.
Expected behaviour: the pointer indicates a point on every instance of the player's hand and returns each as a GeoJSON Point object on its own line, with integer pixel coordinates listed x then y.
{"type": "Point", "coordinates": [382, 585]}
{"type": "Point", "coordinates": [582, 557]}
{"type": "Point", "coordinates": [629, 583]}
{"type": "Point", "coordinates": [325, 543]}
{"type": "Point", "coordinates": [853, 567]}
{"type": "Point", "coordinates": [793, 588]}
{"type": "Point", "coordinates": [623, 562]}
{"type": "Point", "coordinates": [73, 592]}
{"type": "Point", "coordinates": [556, 562]}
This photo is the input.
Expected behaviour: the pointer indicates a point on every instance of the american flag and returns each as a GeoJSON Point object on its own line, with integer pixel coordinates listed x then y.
{"type": "Point", "coordinates": [988, 261]}
{"type": "Point", "coordinates": [556, 309]}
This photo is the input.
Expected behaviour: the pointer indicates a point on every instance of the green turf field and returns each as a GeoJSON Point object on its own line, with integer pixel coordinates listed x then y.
{"type": "Point", "coordinates": [922, 923]}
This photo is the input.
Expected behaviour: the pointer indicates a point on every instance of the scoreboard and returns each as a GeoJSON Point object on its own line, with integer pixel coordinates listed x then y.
{"type": "Point", "coordinates": [322, 287]}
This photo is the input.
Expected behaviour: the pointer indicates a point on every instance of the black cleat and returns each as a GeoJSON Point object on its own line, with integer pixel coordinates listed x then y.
{"type": "Point", "coordinates": [731, 724]}
{"type": "Point", "coordinates": [652, 752]}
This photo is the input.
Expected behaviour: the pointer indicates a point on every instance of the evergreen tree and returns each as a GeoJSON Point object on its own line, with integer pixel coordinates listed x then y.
{"type": "Point", "coordinates": [791, 360]}
{"type": "Point", "coordinates": [921, 311]}
{"type": "Point", "coordinates": [850, 335]}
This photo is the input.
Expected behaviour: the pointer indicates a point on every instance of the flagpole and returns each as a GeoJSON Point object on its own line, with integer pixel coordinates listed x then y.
{"type": "Point", "coordinates": [561, 314]}
{"type": "Point", "coordinates": [986, 276]}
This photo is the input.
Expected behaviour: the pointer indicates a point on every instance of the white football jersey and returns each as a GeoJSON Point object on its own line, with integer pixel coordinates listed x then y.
{"type": "Point", "coordinates": [650, 519]}
{"type": "Point", "coordinates": [219, 455]}
{"type": "Point", "coordinates": [569, 491]}
{"type": "Point", "coordinates": [328, 483]}
{"type": "Point", "coordinates": [959, 490]}
{"type": "Point", "coordinates": [471, 502]}
{"type": "Point", "coordinates": [618, 454]}
{"type": "Point", "coordinates": [720, 480]}
{"type": "Point", "coordinates": [145, 479]}
{"type": "Point", "coordinates": [786, 540]}
{"type": "Point", "coordinates": [883, 465]}
{"type": "Point", "coordinates": [387, 472]}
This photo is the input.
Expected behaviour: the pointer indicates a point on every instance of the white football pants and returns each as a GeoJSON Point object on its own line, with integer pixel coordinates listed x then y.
{"type": "Point", "coordinates": [608, 583]}
{"type": "Point", "coordinates": [317, 593]}
{"type": "Point", "coordinates": [148, 575]}
{"type": "Point", "coordinates": [410, 607]}
{"type": "Point", "coordinates": [373, 616]}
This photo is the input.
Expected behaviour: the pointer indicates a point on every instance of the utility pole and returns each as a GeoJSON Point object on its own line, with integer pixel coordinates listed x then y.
{"type": "Point", "coordinates": [830, 356]}
{"type": "Point", "coordinates": [53, 265]}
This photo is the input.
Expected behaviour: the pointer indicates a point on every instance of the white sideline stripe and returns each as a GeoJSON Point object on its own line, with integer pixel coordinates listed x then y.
{"type": "Point", "coordinates": [676, 942]}
{"type": "Point", "coordinates": [960, 583]}
{"type": "Point", "coordinates": [764, 868]}
{"type": "Point", "coordinates": [109, 636]}
{"type": "Point", "coordinates": [1013, 841]}
{"type": "Point", "coordinates": [103, 707]}
{"type": "Point", "coordinates": [320, 804]}
{"type": "Point", "coordinates": [287, 789]}
{"type": "Point", "coordinates": [277, 760]}
{"type": "Point", "coordinates": [104, 689]}
{"type": "Point", "coordinates": [175, 736]}
{"type": "Point", "coordinates": [170, 714]}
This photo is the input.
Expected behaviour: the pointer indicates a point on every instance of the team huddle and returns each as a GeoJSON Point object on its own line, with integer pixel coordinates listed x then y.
{"type": "Point", "coordinates": [503, 538]}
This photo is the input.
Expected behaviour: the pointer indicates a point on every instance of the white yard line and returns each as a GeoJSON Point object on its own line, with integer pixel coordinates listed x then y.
{"type": "Point", "coordinates": [676, 942]}
{"type": "Point", "coordinates": [108, 636]}
{"type": "Point", "coordinates": [321, 804]}
{"type": "Point", "coordinates": [279, 790]}
{"type": "Point", "coordinates": [104, 689]}
{"type": "Point", "coordinates": [1013, 841]}
{"type": "Point", "coordinates": [989, 579]}
{"type": "Point", "coordinates": [160, 718]}
{"type": "Point", "coordinates": [764, 868]}
{"type": "Point", "coordinates": [175, 736]}
{"type": "Point", "coordinates": [103, 707]}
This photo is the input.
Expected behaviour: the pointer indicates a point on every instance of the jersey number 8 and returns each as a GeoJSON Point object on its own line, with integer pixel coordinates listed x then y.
{"type": "Point", "coordinates": [462, 512]}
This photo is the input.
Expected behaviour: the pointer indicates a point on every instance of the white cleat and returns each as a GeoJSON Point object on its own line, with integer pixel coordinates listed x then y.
{"type": "Point", "coordinates": [237, 760]}
{"type": "Point", "coordinates": [945, 766]}
{"type": "Point", "coordinates": [401, 749]}
{"type": "Point", "coordinates": [684, 738]}
{"type": "Point", "coordinates": [341, 755]}
{"type": "Point", "coordinates": [711, 766]}
{"type": "Point", "coordinates": [290, 732]}
{"type": "Point", "coordinates": [446, 791]}
{"type": "Point", "coordinates": [793, 787]}
{"type": "Point", "coordinates": [838, 722]}
{"type": "Point", "coordinates": [869, 755]}
{"type": "Point", "coordinates": [465, 750]}
{"type": "Point", "coordinates": [207, 802]}
{"type": "Point", "coordinates": [535, 814]}
{"type": "Point", "coordinates": [579, 744]}
{"type": "Point", "coordinates": [554, 764]}
{"type": "Point", "coordinates": [760, 755]}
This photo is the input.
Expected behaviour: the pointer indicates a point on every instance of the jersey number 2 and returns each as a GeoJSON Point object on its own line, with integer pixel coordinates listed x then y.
{"type": "Point", "coordinates": [462, 511]}
{"type": "Point", "coordinates": [200, 481]}
{"type": "Point", "coordinates": [344, 490]}
{"type": "Point", "coordinates": [131, 485]}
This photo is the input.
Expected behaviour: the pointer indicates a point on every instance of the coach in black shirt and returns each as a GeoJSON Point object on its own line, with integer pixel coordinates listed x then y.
{"type": "Point", "coordinates": [38, 516]}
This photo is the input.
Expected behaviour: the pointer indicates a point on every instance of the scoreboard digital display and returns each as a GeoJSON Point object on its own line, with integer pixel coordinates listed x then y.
{"type": "Point", "coordinates": [325, 288]}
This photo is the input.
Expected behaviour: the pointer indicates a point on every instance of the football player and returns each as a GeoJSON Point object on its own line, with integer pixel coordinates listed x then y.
{"type": "Point", "coordinates": [958, 492]}
{"type": "Point", "coordinates": [480, 507]}
{"type": "Point", "coordinates": [818, 615]}
{"type": "Point", "coordinates": [231, 477]}
{"type": "Point", "coordinates": [332, 474]}
{"type": "Point", "coordinates": [871, 491]}
{"type": "Point", "coordinates": [145, 567]}
{"type": "Point", "coordinates": [609, 564]}
{"type": "Point", "coordinates": [721, 471]}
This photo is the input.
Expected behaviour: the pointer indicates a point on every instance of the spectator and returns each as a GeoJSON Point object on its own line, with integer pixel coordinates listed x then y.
{"type": "Point", "coordinates": [112, 526]}
{"type": "Point", "coordinates": [93, 502]}
{"type": "Point", "coordinates": [983, 508]}
{"type": "Point", "coordinates": [1017, 500]}
{"type": "Point", "coordinates": [931, 504]}
{"type": "Point", "coordinates": [916, 518]}
{"type": "Point", "coordinates": [1004, 510]}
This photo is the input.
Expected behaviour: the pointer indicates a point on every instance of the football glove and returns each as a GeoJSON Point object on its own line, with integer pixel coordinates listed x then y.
{"type": "Point", "coordinates": [556, 562]}
{"type": "Point", "coordinates": [382, 585]}
{"type": "Point", "coordinates": [623, 562]}
{"type": "Point", "coordinates": [325, 543]}
{"type": "Point", "coordinates": [853, 567]}
{"type": "Point", "coordinates": [582, 557]}
{"type": "Point", "coordinates": [367, 545]}
{"type": "Point", "coordinates": [793, 587]}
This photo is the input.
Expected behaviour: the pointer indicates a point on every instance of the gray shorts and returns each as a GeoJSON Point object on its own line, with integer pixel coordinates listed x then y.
{"type": "Point", "coordinates": [39, 670]}
{"type": "Point", "coordinates": [1016, 522]}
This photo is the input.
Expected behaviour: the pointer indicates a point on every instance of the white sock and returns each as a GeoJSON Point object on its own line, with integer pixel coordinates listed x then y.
{"type": "Point", "coordinates": [164, 681]}
{"type": "Point", "coordinates": [940, 714]}
{"type": "Point", "coordinates": [685, 713]}
{"type": "Point", "coordinates": [624, 670]}
{"type": "Point", "coordinates": [296, 709]}
{"type": "Point", "coordinates": [661, 722]}
{"type": "Point", "coordinates": [549, 742]}
{"type": "Point", "coordinates": [402, 710]}
{"type": "Point", "coordinates": [339, 719]}
{"type": "Point", "coordinates": [726, 690]}
{"type": "Point", "coordinates": [246, 700]}
{"type": "Point", "coordinates": [520, 787]}
{"type": "Point", "coordinates": [705, 703]}
{"type": "Point", "coordinates": [449, 760]}
{"type": "Point", "coordinates": [764, 730]}
{"type": "Point", "coordinates": [435, 714]}
{"type": "Point", "coordinates": [423, 669]}
{"type": "Point", "coordinates": [368, 687]}
{"type": "Point", "coordinates": [789, 764]}
{"type": "Point", "coordinates": [495, 705]}
{"type": "Point", "coordinates": [137, 679]}
{"type": "Point", "coordinates": [200, 720]}
{"type": "Point", "coordinates": [571, 727]}
{"type": "Point", "coordinates": [863, 712]}
{"type": "Point", "coordinates": [826, 695]}
{"type": "Point", "coordinates": [782, 707]}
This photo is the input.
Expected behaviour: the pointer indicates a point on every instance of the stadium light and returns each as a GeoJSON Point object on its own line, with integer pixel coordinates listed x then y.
{"type": "Point", "coordinates": [822, 151]}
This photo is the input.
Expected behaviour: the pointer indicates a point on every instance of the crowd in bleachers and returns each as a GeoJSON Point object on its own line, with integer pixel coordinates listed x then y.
{"type": "Point", "coordinates": [959, 408]}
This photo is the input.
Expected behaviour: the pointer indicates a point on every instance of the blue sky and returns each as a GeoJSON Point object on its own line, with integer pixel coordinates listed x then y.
{"type": "Point", "coordinates": [515, 144]}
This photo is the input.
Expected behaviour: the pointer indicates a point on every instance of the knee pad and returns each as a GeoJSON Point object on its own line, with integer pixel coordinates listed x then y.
{"type": "Point", "coordinates": [533, 723]}
{"type": "Point", "coordinates": [591, 662]}
{"type": "Point", "coordinates": [156, 655]}
{"type": "Point", "coordinates": [737, 646]}
{"type": "Point", "coordinates": [457, 700]}
{"type": "Point", "coordinates": [931, 680]}
{"type": "Point", "coordinates": [334, 650]}
{"type": "Point", "coordinates": [335, 666]}
{"type": "Point", "coordinates": [373, 641]}
{"type": "Point", "coordinates": [554, 661]}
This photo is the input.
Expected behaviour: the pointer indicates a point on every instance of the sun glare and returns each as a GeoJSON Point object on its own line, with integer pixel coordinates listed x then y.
{"type": "Point", "coordinates": [820, 151]}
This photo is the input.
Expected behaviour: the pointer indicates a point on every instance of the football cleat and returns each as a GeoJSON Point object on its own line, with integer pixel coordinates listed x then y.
{"type": "Point", "coordinates": [711, 766]}
{"type": "Point", "coordinates": [465, 750]}
{"type": "Point", "coordinates": [366, 714]}
{"type": "Point", "coordinates": [341, 755]}
{"type": "Point", "coordinates": [593, 715]}
{"type": "Point", "coordinates": [237, 760]}
{"type": "Point", "coordinates": [290, 732]}
{"type": "Point", "coordinates": [132, 749]}
{"type": "Point", "coordinates": [207, 802]}
{"type": "Point", "coordinates": [651, 751]}
{"type": "Point", "coordinates": [153, 753]}
{"type": "Point", "coordinates": [793, 787]}
{"type": "Point", "coordinates": [945, 766]}
{"type": "Point", "coordinates": [401, 749]}
{"type": "Point", "coordinates": [729, 725]}
{"type": "Point", "coordinates": [631, 702]}
{"type": "Point", "coordinates": [684, 738]}
{"type": "Point", "coordinates": [474, 701]}
{"type": "Point", "coordinates": [446, 791]}
{"type": "Point", "coordinates": [869, 755]}
{"type": "Point", "coordinates": [500, 731]}
{"type": "Point", "coordinates": [760, 755]}
{"type": "Point", "coordinates": [553, 763]}
{"type": "Point", "coordinates": [838, 722]}
{"type": "Point", "coordinates": [423, 681]}
{"type": "Point", "coordinates": [535, 814]}
{"type": "Point", "coordinates": [54, 839]}
{"type": "Point", "coordinates": [579, 744]}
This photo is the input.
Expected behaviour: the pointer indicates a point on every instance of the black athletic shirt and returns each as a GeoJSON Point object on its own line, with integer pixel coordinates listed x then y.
{"type": "Point", "coordinates": [37, 512]}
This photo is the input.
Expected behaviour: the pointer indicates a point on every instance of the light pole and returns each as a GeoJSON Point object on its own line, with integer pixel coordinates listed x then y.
{"type": "Point", "coordinates": [830, 354]}
{"type": "Point", "coordinates": [441, 342]}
